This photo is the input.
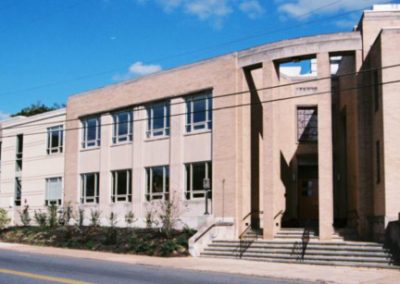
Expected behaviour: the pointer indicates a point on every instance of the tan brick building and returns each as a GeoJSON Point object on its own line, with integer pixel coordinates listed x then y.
{"type": "Point", "coordinates": [302, 132]}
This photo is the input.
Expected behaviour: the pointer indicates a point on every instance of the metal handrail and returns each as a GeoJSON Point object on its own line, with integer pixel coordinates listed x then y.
{"type": "Point", "coordinates": [210, 227]}
{"type": "Point", "coordinates": [279, 213]}
{"type": "Point", "coordinates": [252, 213]}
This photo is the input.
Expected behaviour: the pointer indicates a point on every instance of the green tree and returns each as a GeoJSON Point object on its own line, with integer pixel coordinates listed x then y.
{"type": "Point", "coordinates": [37, 108]}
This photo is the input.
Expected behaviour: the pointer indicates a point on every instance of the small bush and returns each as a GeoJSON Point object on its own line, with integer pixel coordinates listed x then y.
{"type": "Point", "coordinates": [67, 214]}
{"type": "Point", "coordinates": [130, 219]}
{"type": "Point", "coordinates": [149, 218]}
{"type": "Point", "coordinates": [40, 218]}
{"type": "Point", "coordinates": [52, 215]}
{"type": "Point", "coordinates": [168, 247]}
{"type": "Point", "coordinates": [4, 220]}
{"type": "Point", "coordinates": [95, 218]}
{"type": "Point", "coordinates": [81, 216]}
{"type": "Point", "coordinates": [169, 215]}
{"type": "Point", "coordinates": [24, 216]}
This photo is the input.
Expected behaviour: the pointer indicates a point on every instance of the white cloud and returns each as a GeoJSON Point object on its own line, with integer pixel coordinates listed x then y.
{"type": "Point", "coordinates": [138, 69]}
{"type": "Point", "coordinates": [4, 115]}
{"type": "Point", "coordinates": [252, 8]}
{"type": "Point", "coordinates": [306, 8]}
{"type": "Point", "coordinates": [214, 11]}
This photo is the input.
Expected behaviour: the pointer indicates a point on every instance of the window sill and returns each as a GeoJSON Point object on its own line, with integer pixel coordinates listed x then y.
{"type": "Point", "coordinates": [55, 154]}
{"type": "Point", "coordinates": [156, 138]}
{"type": "Point", "coordinates": [197, 132]}
{"type": "Point", "coordinates": [121, 144]}
{"type": "Point", "coordinates": [90, 149]}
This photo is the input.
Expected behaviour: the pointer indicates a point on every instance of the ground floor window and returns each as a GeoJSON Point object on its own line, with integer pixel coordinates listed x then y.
{"type": "Point", "coordinates": [90, 188]}
{"type": "Point", "coordinates": [157, 183]}
{"type": "Point", "coordinates": [198, 176]}
{"type": "Point", "coordinates": [18, 191]}
{"type": "Point", "coordinates": [121, 186]}
{"type": "Point", "coordinates": [53, 191]}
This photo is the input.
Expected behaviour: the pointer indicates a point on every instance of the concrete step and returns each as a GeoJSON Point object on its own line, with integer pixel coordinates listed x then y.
{"type": "Point", "coordinates": [310, 243]}
{"type": "Point", "coordinates": [289, 248]}
{"type": "Point", "coordinates": [317, 252]}
{"type": "Point", "coordinates": [325, 258]}
{"type": "Point", "coordinates": [330, 263]}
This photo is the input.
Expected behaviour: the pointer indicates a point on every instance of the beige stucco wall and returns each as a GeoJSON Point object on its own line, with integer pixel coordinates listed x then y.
{"type": "Point", "coordinates": [37, 164]}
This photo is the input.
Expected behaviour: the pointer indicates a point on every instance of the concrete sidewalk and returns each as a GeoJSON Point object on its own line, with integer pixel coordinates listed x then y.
{"type": "Point", "coordinates": [314, 273]}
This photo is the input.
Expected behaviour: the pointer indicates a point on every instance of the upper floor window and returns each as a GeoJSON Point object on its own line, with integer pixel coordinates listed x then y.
{"type": "Point", "coordinates": [157, 183]}
{"type": "Point", "coordinates": [199, 112]}
{"type": "Point", "coordinates": [122, 127]}
{"type": "Point", "coordinates": [197, 176]}
{"type": "Point", "coordinates": [18, 191]}
{"type": "Point", "coordinates": [19, 152]}
{"type": "Point", "coordinates": [158, 119]}
{"type": "Point", "coordinates": [90, 188]}
{"type": "Point", "coordinates": [121, 186]}
{"type": "Point", "coordinates": [307, 124]}
{"type": "Point", "coordinates": [53, 191]}
{"type": "Point", "coordinates": [91, 132]}
{"type": "Point", "coordinates": [55, 139]}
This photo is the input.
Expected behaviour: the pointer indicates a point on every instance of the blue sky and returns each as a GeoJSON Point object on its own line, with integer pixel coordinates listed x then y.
{"type": "Point", "coordinates": [51, 50]}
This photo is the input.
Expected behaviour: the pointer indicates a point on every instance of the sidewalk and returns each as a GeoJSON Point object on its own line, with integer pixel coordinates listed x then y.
{"type": "Point", "coordinates": [314, 273]}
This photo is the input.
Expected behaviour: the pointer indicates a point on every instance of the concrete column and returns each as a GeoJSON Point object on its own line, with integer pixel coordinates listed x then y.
{"type": "Point", "coordinates": [325, 159]}
{"type": "Point", "coordinates": [105, 175]}
{"type": "Point", "coordinates": [270, 78]}
{"type": "Point", "coordinates": [176, 172]}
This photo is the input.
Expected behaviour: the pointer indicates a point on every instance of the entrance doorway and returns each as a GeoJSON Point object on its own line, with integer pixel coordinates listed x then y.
{"type": "Point", "coordinates": [307, 193]}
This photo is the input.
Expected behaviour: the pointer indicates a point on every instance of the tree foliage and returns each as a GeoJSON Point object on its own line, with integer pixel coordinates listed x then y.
{"type": "Point", "coordinates": [37, 108]}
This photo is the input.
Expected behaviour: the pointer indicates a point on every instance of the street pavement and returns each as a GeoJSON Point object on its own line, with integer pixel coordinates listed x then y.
{"type": "Point", "coordinates": [83, 265]}
{"type": "Point", "coordinates": [24, 268]}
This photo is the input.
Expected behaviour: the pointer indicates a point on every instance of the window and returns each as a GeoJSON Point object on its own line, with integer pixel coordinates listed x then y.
{"type": "Point", "coordinates": [378, 162]}
{"type": "Point", "coordinates": [18, 158]}
{"type": "Point", "coordinates": [199, 112]}
{"type": "Point", "coordinates": [55, 139]}
{"type": "Point", "coordinates": [307, 124]}
{"type": "Point", "coordinates": [375, 88]}
{"type": "Point", "coordinates": [90, 188]}
{"type": "Point", "coordinates": [195, 175]}
{"type": "Point", "coordinates": [158, 120]}
{"type": "Point", "coordinates": [121, 186]}
{"type": "Point", "coordinates": [122, 128]}
{"type": "Point", "coordinates": [18, 192]}
{"type": "Point", "coordinates": [157, 183]}
{"type": "Point", "coordinates": [91, 132]}
{"type": "Point", "coordinates": [53, 191]}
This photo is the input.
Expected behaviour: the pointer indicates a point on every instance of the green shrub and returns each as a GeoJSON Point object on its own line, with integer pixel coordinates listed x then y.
{"type": "Point", "coordinates": [52, 218]}
{"type": "Point", "coordinates": [4, 220]}
{"type": "Point", "coordinates": [40, 218]}
{"type": "Point", "coordinates": [24, 216]}
{"type": "Point", "coordinates": [81, 216]}
{"type": "Point", "coordinates": [130, 218]}
{"type": "Point", "coordinates": [95, 218]}
{"type": "Point", "coordinates": [168, 247]}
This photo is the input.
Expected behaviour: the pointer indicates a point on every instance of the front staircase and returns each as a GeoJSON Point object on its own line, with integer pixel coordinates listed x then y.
{"type": "Point", "coordinates": [302, 246]}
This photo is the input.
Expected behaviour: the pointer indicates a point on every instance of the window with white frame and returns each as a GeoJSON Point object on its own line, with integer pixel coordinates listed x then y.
{"type": "Point", "coordinates": [90, 188]}
{"type": "Point", "coordinates": [54, 191]}
{"type": "Point", "coordinates": [158, 119]}
{"type": "Point", "coordinates": [121, 186]}
{"type": "Point", "coordinates": [19, 152]}
{"type": "Point", "coordinates": [157, 183]}
{"type": "Point", "coordinates": [55, 137]}
{"type": "Point", "coordinates": [122, 126]}
{"type": "Point", "coordinates": [91, 132]}
{"type": "Point", "coordinates": [307, 124]}
{"type": "Point", "coordinates": [199, 112]}
{"type": "Point", "coordinates": [196, 173]}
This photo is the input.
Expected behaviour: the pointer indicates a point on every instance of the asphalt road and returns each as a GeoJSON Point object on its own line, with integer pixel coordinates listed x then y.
{"type": "Point", "coordinates": [24, 268]}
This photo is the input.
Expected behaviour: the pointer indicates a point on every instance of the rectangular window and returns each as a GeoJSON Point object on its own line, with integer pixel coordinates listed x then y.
{"type": "Point", "coordinates": [375, 88]}
{"type": "Point", "coordinates": [157, 183]}
{"type": "Point", "coordinates": [158, 120]}
{"type": "Point", "coordinates": [53, 191]}
{"type": "Point", "coordinates": [122, 127]}
{"type": "Point", "coordinates": [307, 124]}
{"type": "Point", "coordinates": [18, 191]}
{"type": "Point", "coordinates": [378, 162]}
{"type": "Point", "coordinates": [55, 139]}
{"type": "Point", "coordinates": [121, 186]}
{"type": "Point", "coordinates": [199, 112]}
{"type": "Point", "coordinates": [19, 152]}
{"type": "Point", "coordinates": [91, 132]}
{"type": "Point", "coordinates": [196, 174]}
{"type": "Point", "coordinates": [90, 188]}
